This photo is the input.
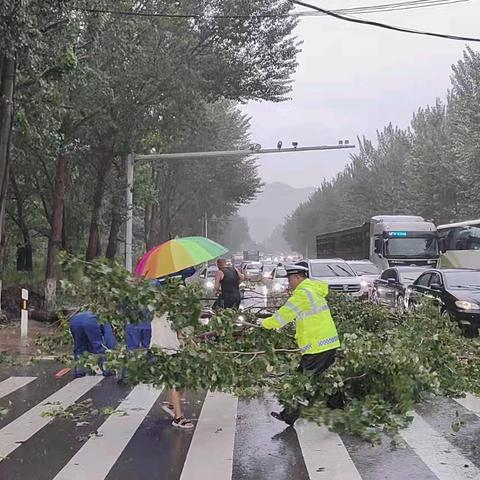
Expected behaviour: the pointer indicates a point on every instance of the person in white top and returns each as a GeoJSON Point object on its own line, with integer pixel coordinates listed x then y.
{"type": "Point", "coordinates": [166, 339]}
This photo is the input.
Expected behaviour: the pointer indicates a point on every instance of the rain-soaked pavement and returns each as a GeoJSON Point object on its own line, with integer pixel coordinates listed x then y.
{"type": "Point", "coordinates": [232, 439]}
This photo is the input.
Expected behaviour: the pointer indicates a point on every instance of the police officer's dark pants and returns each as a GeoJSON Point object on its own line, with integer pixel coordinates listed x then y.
{"type": "Point", "coordinates": [87, 337]}
{"type": "Point", "coordinates": [314, 365]}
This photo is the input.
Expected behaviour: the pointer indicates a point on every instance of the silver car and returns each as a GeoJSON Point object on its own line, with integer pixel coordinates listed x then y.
{"type": "Point", "coordinates": [367, 271]}
{"type": "Point", "coordinates": [339, 276]}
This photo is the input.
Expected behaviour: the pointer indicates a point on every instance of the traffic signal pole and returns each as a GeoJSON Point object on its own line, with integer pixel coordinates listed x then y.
{"type": "Point", "coordinates": [133, 158]}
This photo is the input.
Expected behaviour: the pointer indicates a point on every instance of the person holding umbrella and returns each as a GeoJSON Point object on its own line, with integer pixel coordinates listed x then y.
{"type": "Point", "coordinates": [174, 258]}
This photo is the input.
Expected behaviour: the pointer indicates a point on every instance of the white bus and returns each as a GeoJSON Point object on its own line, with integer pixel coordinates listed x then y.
{"type": "Point", "coordinates": [460, 244]}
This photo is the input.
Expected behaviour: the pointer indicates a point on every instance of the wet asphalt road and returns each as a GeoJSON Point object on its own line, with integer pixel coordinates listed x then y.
{"type": "Point", "coordinates": [232, 440]}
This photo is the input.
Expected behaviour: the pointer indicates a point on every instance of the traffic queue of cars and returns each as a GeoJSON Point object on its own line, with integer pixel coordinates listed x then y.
{"type": "Point", "coordinates": [456, 292]}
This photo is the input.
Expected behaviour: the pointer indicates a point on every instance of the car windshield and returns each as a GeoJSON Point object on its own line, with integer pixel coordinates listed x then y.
{"type": "Point", "coordinates": [412, 247]}
{"type": "Point", "coordinates": [253, 266]}
{"type": "Point", "coordinates": [410, 276]}
{"type": "Point", "coordinates": [365, 269]}
{"type": "Point", "coordinates": [268, 268]}
{"type": "Point", "coordinates": [463, 280]}
{"type": "Point", "coordinates": [331, 270]}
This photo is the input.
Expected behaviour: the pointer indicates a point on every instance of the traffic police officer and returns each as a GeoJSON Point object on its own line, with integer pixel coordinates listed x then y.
{"type": "Point", "coordinates": [316, 334]}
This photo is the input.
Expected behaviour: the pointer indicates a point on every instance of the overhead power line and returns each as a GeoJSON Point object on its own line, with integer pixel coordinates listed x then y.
{"type": "Point", "coordinates": [387, 7]}
{"type": "Point", "coordinates": [384, 25]}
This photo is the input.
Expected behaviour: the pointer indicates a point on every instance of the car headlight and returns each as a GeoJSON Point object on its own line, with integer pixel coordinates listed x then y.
{"type": "Point", "coordinates": [364, 284]}
{"type": "Point", "coordinates": [463, 305]}
{"type": "Point", "coordinates": [278, 287]}
{"type": "Point", "coordinates": [209, 284]}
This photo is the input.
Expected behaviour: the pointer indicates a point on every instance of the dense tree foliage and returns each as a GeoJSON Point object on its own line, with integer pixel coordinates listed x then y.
{"type": "Point", "coordinates": [91, 86]}
{"type": "Point", "coordinates": [430, 169]}
{"type": "Point", "coordinates": [387, 362]}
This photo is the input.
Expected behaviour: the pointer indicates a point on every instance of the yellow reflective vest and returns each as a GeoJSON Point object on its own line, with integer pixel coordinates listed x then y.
{"type": "Point", "coordinates": [315, 328]}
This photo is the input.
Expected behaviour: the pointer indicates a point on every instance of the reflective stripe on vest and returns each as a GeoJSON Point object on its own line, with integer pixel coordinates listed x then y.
{"type": "Point", "coordinates": [279, 319]}
{"type": "Point", "coordinates": [310, 296]}
{"type": "Point", "coordinates": [313, 311]}
{"type": "Point", "coordinates": [294, 308]}
{"type": "Point", "coordinates": [321, 343]}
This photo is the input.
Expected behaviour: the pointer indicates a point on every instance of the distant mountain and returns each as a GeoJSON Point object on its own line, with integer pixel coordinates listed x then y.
{"type": "Point", "coordinates": [271, 206]}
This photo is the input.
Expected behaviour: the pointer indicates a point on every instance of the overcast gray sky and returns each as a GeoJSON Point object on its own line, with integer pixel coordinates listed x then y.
{"type": "Point", "coordinates": [355, 79]}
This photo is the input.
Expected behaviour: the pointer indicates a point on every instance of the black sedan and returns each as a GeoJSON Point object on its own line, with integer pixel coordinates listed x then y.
{"type": "Point", "coordinates": [457, 292]}
{"type": "Point", "coordinates": [390, 288]}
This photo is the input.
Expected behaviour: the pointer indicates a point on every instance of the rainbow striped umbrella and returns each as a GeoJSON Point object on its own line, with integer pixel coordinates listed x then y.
{"type": "Point", "coordinates": [175, 255]}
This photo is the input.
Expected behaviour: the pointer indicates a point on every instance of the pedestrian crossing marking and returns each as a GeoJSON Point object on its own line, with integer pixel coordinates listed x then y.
{"type": "Point", "coordinates": [324, 453]}
{"type": "Point", "coordinates": [11, 384]}
{"type": "Point", "coordinates": [211, 452]}
{"type": "Point", "coordinates": [100, 453]}
{"type": "Point", "coordinates": [21, 429]}
{"type": "Point", "coordinates": [440, 456]}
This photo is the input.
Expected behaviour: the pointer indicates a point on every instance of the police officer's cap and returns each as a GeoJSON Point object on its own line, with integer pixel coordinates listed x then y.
{"type": "Point", "coordinates": [297, 268]}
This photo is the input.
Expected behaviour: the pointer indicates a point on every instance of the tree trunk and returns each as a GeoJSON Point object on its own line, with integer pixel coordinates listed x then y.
{"type": "Point", "coordinates": [55, 241]}
{"type": "Point", "coordinates": [104, 165]}
{"type": "Point", "coordinates": [7, 86]}
{"type": "Point", "coordinates": [26, 263]}
{"type": "Point", "coordinates": [147, 223]}
{"type": "Point", "coordinates": [114, 232]}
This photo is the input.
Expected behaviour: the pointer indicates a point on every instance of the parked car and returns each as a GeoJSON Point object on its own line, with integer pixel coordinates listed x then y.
{"type": "Point", "coordinates": [457, 292]}
{"type": "Point", "coordinates": [390, 288]}
{"type": "Point", "coordinates": [339, 276]}
{"type": "Point", "coordinates": [367, 271]}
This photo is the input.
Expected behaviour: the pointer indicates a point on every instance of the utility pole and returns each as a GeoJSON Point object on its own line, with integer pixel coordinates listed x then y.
{"type": "Point", "coordinates": [254, 150]}
{"type": "Point", "coordinates": [129, 221]}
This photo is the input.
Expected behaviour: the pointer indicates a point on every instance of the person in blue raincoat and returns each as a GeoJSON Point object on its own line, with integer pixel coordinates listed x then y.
{"type": "Point", "coordinates": [139, 335]}
{"type": "Point", "coordinates": [89, 335]}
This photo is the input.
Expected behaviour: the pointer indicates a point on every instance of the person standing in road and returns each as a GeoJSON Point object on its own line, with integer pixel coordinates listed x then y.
{"type": "Point", "coordinates": [316, 333]}
{"type": "Point", "coordinates": [227, 284]}
{"type": "Point", "coordinates": [165, 338]}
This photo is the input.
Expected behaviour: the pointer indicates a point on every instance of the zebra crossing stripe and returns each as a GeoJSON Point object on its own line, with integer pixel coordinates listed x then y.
{"type": "Point", "coordinates": [440, 456]}
{"type": "Point", "coordinates": [11, 384]}
{"type": "Point", "coordinates": [324, 453]}
{"type": "Point", "coordinates": [470, 402]}
{"type": "Point", "coordinates": [100, 453]}
{"type": "Point", "coordinates": [211, 452]}
{"type": "Point", "coordinates": [21, 429]}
